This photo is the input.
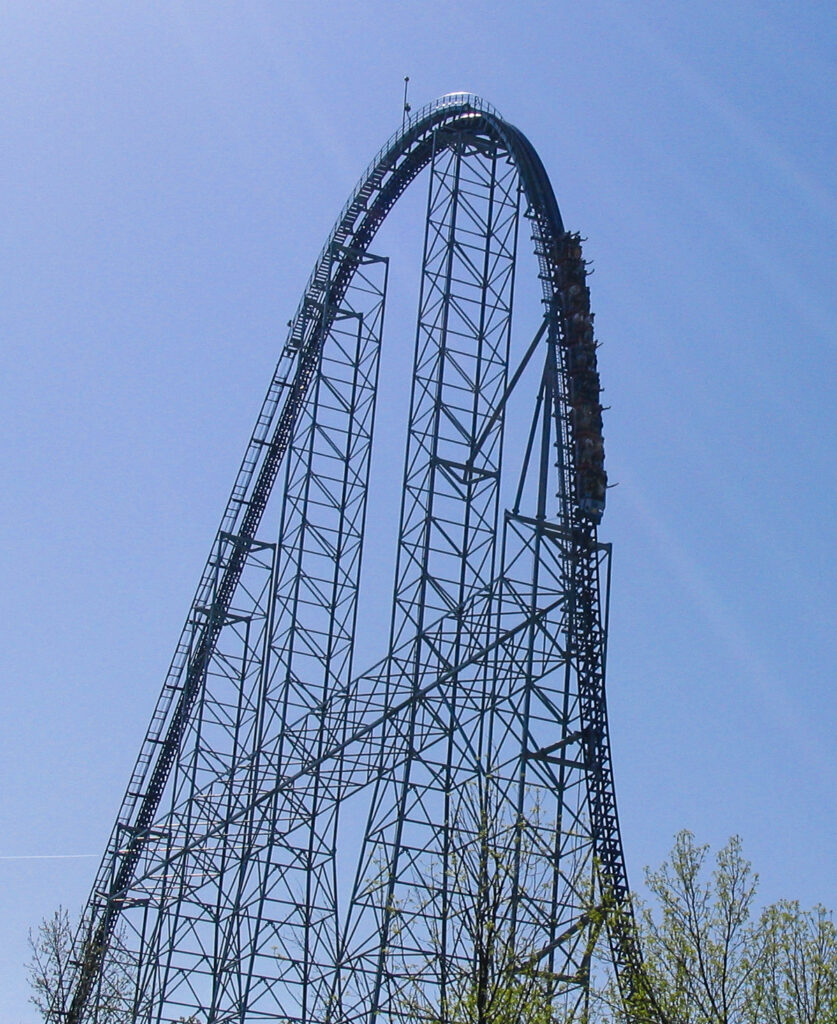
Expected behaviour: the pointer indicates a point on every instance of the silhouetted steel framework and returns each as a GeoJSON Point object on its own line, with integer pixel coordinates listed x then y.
{"type": "Point", "coordinates": [310, 840]}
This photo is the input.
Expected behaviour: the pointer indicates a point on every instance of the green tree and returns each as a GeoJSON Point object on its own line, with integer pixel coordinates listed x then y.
{"type": "Point", "coordinates": [797, 983]}
{"type": "Point", "coordinates": [702, 951]}
{"type": "Point", "coordinates": [489, 966]}
{"type": "Point", "coordinates": [50, 971]}
{"type": "Point", "coordinates": [711, 958]}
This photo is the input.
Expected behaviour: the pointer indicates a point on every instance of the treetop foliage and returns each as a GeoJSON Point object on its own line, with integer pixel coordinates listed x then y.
{"type": "Point", "coordinates": [710, 955]}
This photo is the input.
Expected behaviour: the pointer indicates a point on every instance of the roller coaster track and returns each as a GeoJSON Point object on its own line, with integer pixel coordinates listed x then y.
{"type": "Point", "coordinates": [302, 764]}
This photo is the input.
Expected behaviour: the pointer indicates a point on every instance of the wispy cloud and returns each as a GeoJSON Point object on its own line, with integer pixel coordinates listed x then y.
{"type": "Point", "coordinates": [765, 688]}
{"type": "Point", "coordinates": [45, 856]}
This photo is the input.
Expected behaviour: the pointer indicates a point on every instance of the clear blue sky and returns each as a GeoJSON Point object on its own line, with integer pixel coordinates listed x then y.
{"type": "Point", "coordinates": [168, 174]}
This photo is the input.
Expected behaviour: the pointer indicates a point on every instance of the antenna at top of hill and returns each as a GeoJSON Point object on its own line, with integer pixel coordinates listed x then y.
{"type": "Point", "coordinates": [407, 107]}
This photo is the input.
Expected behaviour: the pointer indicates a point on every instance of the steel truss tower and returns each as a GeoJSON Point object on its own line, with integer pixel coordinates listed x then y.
{"type": "Point", "coordinates": [313, 839]}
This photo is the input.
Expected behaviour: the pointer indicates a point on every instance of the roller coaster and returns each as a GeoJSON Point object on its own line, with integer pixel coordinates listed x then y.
{"type": "Point", "coordinates": [313, 834]}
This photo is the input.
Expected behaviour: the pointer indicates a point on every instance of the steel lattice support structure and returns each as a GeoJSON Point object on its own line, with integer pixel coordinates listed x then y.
{"type": "Point", "coordinates": [311, 840]}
